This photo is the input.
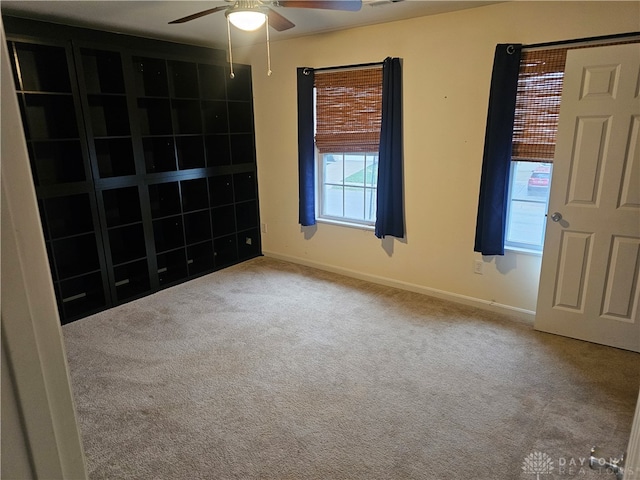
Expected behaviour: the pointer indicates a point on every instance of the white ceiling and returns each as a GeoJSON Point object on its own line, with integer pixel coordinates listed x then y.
{"type": "Point", "coordinates": [150, 18]}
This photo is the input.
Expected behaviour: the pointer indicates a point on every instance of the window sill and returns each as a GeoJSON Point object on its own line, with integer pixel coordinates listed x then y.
{"type": "Point", "coordinates": [344, 223]}
{"type": "Point", "coordinates": [525, 251]}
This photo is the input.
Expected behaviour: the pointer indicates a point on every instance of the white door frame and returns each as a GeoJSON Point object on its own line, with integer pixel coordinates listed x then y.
{"type": "Point", "coordinates": [44, 439]}
{"type": "Point", "coordinates": [632, 461]}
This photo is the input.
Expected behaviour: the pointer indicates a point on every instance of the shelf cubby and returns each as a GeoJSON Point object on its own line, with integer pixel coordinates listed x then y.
{"type": "Point", "coordinates": [246, 215]}
{"type": "Point", "coordinates": [68, 215]}
{"type": "Point", "coordinates": [75, 255]}
{"type": "Point", "coordinates": [248, 244]}
{"type": "Point", "coordinates": [197, 227]}
{"type": "Point", "coordinates": [212, 82]}
{"type": "Point", "coordinates": [221, 190]}
{"type": "Point", "coordinates": [240, 117]}
{"type": "Point", "coordinates": [43, 68]}
{"type": "Point", "coordinates": [155, 116]}
{"type": "Point", "coordinates": [242, 149]}
{"type": "Point", "coordinates": [81, 296]}
{"type": "Point", "coordinates": [168, 233]}
{"type": "Point", "coordinates": [121, 206]}
{"type": "Point", "coordinates": [109, 115]}
{"type": "Point", "coordinates": [159, 154]}
{"type": "Point", "coordinates": [150, 77]}
{"type": "Point", "coordinates": [225, 251]}
{"type": "Point", "coordinates": [131, 279]}
{"type": "Point", "coordinates": [214, 115]}
{"type": "Point", "coordinates": [223, 220]}
{"type": "Point", "coordinates": [190, 152]}
{"type": "Point", "coordinates": [50, 116]}
{"type": "Point", "coordinates": [194, 194]}
{"type": "Point", "coordinates": [200, 258]}
{"type": "Point", "coordinates": [184, 79]}
{"type": "Point", "coordinates": [57, 162]}
{"type": "Point", "coordinates": [102, 71]}
{"type": "Point", "coordinates": [164, 199]}
{"type": "Point", "coordinates": [172, 267]}
{"type": "Point", "coordinates": [244, 186]}
{"type": "Point", "coordinates": [127, 243]}
{"type": "Point", "coordinates": [217, 149]}
{"type": "Point", "coordinates": [115, 157]}
{"type": "Point", "coordinates": [186, 117]}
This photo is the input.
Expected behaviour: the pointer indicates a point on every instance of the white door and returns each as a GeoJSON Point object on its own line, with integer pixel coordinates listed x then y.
{"type": "Point", "coordinates": [589, 285]}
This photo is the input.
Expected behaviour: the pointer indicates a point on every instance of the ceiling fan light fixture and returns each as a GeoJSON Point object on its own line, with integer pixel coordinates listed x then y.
{"type": "Point", "coordinates": [247, 20]}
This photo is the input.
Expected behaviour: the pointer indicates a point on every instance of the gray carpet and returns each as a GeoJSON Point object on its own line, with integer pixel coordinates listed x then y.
{"type": "Point", "coordinates": [270, 370]}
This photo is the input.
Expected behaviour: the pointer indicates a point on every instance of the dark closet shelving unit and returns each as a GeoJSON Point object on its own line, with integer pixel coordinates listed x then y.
{"type": "Point", "coordinates": [56, 142]}
{"type": "Point", "coordinates": [143, 159]}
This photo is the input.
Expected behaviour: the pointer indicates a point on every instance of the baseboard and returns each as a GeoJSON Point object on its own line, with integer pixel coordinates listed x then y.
{"type": "Point", "coordinates": [520, 313]}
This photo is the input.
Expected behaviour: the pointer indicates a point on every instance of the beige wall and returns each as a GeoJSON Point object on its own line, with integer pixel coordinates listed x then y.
{"type": "Point", "coordinates": [447, 70]}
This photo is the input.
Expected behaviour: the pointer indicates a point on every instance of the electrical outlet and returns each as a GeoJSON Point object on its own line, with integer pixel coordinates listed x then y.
{"type": "Point", "coordinates": [263, 227]}
{"type": "Point", "coordinates": [477, 267]}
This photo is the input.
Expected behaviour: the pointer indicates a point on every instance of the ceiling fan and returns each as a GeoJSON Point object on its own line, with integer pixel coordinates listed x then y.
{"type": "Point", "coordinates": [252, 14]}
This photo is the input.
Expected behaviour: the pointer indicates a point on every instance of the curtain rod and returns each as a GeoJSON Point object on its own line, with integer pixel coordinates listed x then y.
{"type": "Point", "coordinates": [581, 40]}
{"type": "Point", "coordinates": [341, 67]}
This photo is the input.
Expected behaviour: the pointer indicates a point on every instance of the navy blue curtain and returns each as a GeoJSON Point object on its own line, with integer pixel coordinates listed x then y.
{"type": "Point", "coordinates": [496, 162]}
{"type": "Point", "coordinates": [306, 147]}
{"type": "Point", "coordinates": [390, 211]}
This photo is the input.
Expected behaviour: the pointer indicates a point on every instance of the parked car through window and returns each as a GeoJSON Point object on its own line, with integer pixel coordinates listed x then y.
{"type": "Point", "coordinates": [540, 180]}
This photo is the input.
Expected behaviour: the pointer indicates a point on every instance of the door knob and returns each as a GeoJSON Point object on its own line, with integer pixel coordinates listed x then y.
{"type": "Point", "coordinates": [556, 216]}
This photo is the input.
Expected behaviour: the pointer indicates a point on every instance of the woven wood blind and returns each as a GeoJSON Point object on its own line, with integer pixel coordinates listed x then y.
{"type": "Point", "coordinates": [538, 104]}
{"type": "Point", "coordinates": [538, 101]}
{"type": "Point", "coordinates": [348, 110]}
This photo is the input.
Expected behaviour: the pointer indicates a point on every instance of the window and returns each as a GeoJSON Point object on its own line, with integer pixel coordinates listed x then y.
{"type": "Point", "coordinates": [355, 115]}
{"type": "Point", "coordinates": [522, 122]}
{"type": "Point", "coordinates": [534, 138]}
{"type": "Point", "coordinates": [348, 112]}
{"type": "Point", "coordinates": [347, 186]}
{"type": "Point", "coordinates": [529, 184]}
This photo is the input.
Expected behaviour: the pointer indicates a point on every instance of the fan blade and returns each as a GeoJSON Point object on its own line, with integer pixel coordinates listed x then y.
{"type": "Point", "coordinates": [278, 22]}
{"type": "Point", "coordinates": [347, 5]}
{"type": "Point", "coordinates": [198, 15]}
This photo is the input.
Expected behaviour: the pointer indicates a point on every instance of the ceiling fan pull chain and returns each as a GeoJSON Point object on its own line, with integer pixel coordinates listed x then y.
{"type": "Point", "coordinates": [233, 75]}
{"type": "Point", "coordinates": [268, 48]}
